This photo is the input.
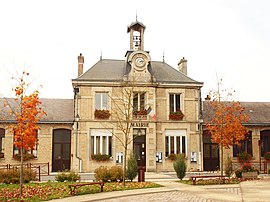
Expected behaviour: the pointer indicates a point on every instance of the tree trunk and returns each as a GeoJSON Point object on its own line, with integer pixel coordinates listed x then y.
{"type": "Point", "coordinates": [124, 164]}
{"type": "Point", "coordinates": [21, 172]}
{"type": "Point", "coordinates": [221, 159]}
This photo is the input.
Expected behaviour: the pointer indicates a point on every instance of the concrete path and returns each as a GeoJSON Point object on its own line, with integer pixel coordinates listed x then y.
{"type": "Point", "coordinates": [252, 191]}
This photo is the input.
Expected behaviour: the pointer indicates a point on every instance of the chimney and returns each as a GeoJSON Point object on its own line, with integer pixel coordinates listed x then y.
{"type": "Point", "coordinates": [208, 98]}
{"type": "Point", "coordinates": [80, 65]}
{"type": "Point", "coordinates": [182, 66]}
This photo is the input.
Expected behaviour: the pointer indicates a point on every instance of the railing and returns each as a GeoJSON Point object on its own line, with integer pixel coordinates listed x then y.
{"type": "Point", "coordinates": [39, 168]}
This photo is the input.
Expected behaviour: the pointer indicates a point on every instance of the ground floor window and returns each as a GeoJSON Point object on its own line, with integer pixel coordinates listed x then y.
{"type": "Point", "coordinates": [32, 152]}
{"type": "Point", "coordinates": [244, 145]}
{"type": "Point", "coordinates": [265, 142]}
{"type": "Point", "coordinates": [101, 141]}
{"type": "Point", "coordinates": [175, 142]}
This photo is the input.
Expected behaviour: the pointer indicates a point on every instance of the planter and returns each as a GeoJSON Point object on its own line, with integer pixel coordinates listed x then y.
{"type": "Point", "coordinates": [26, 157]}
{"type": "Point", "coordinates": [250, 175]}
{"type": "Point", "coordinates": [2, 155]}
{"type": "Point", "coordinates": [100, 157]}
{"type": "Point", "coordinates": [102, 114]}
{"type": "Point", "coordinates": [176, 115]}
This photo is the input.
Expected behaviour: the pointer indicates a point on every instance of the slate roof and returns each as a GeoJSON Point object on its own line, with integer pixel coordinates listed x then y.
{"type": "Point", "coordinates": [58, 110]}
{"type": "Point", "coordinates": [108, 70]}
{"type": "Point", "coordinates": [259, 112]}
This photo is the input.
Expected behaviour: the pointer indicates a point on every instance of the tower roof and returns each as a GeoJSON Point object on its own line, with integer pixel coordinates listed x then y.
{"type": "Point", "coordinates": [135, 25]}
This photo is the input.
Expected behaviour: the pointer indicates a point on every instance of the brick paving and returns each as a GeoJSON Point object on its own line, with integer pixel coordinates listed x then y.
{"type": "Point", "coordinates": [171, 196]}
{"type": "Point", "coordinates": [235, 190]}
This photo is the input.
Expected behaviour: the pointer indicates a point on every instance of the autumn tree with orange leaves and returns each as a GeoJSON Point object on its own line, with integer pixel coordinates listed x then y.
{"type": "Point", "coordinates": [27, 114]}
{"type": "Point", "coordinates": [225, 123]}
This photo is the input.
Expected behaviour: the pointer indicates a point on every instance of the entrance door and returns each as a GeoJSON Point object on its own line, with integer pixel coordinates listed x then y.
{"type": "Point", "coordinates": [61, 150]}
{"type": "Point", "coordinates": [139, 147]}
{"type": "Point", "coordinates": [210, 153]}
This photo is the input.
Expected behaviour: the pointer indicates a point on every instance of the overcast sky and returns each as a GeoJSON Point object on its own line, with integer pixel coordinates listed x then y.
{"type": "Point", "coordinates": [228, 39]}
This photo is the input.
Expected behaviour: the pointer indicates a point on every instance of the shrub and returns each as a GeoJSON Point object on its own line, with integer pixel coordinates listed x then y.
{"type": "Point", "coordinates": [12, 176]}
{"type": "Point", "coordinates": [100, 157]}
{"type": "Point", "coordinates": [132, 167]}
{"type": "Point", "coordinates": [228, 167]}
{"type": "Point", "coordinates": [238, 173]}
{"type": "Point", "coordinates": [116, 174]}
{"type": "Point", "coordinates": [67, 176]}
{"type": "Point", "coordinates": [244, 157]}
{"type": "Point", "coordinates": [180, 166]}
{"type": "Point", "coordinates": [267, 156]}
{"type": "Point", "coordinates": [246, 167]}
{"type": "Point", "coordinates": [102, 174]}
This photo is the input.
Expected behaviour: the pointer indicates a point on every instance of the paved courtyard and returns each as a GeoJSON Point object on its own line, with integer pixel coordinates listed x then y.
{"type": "Point", "coordinates": [171, 196]}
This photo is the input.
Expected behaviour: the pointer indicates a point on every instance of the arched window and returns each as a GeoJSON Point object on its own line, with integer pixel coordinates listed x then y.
{"type": "Point", "coordinates": [2, 136]}
{"type": "Point", "coordinates": [265, 142]}
{"type": "Point", "coordinates": [244, 145]}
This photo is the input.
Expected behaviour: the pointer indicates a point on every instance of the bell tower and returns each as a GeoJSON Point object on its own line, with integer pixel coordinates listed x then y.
{"type": "Point", "coordinates": [136, 30]}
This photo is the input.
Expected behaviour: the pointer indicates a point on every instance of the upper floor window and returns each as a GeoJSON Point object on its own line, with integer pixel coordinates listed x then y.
{"type": "Point", "coordinates": [175, 107]}
{"type": "Point", "coordinates": [138, 101]}
{"type": "Point", "coordinates": [244, 145]}
{"type": "Point", "coordinates": [175, 104]}
{"type": "Point", "coordinates": [2, 136]}
{"type": "Point", "coordinates": [101, 100]}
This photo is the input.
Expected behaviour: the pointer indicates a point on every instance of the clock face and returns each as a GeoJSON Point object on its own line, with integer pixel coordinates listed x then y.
{"type": "Point", "coordinates": [139, 61]}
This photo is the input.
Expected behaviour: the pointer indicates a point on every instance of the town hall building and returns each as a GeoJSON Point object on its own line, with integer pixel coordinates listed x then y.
{"type": "Point", "coordinates": [155, 107]}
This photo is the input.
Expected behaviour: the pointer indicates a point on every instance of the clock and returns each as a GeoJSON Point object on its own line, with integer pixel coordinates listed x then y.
{"type": "Point", "coordinates": [140, 62]}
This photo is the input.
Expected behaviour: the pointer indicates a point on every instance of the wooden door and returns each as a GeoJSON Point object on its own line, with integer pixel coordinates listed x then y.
{"type": "Point", "coordinates": [210, 153]}
{"type": "Point", "coordinates": [61, 150]}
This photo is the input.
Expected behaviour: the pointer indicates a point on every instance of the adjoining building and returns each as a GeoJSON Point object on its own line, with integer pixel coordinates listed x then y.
{"type": "Point", "coordinates": [166, 117]}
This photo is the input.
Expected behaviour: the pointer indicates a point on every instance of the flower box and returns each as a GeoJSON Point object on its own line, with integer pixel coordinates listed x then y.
{"type": "Point", "coordinates": [102, 114]}
{"type": "Point", "coordinates": [100, 157]}
{"type": "Point", "coordinates": [178, 115]}
{"type": "Point", "coordinates": [26, 157]}
{"type": "Point", "coordinates": [250, 175]}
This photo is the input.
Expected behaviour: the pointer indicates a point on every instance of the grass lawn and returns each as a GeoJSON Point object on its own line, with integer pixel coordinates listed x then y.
{"type": "Point", "coordinates": [53, 190]}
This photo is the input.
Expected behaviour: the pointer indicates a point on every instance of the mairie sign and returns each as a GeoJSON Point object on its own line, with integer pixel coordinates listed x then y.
{"type": "Point", "coordinates": [139, 124]}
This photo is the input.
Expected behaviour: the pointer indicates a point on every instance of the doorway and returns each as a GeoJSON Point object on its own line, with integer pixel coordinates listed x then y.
{"type": "Point", "coordinates": [139, 146]}
{"type": "Point", "coordinates": [210, 153]}
{"type": "Point", "coordinates": [61, 150]}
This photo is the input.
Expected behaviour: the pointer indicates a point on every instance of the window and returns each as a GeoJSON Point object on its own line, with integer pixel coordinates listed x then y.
{"type": "Point", "coordinates": [245, 145]}
{"type": "Point", "coordinates": [101, 141]}
{"type": "Point", "coordinates": [101, 101]}
{"type": "Point", "coordinates": [175, 142]}
{"type": "Point", "coordinates": [138, 101]}
{"type": "Point", "coordinates": [2, 136]}
{"type": "Point", "coordinates": [33, 151]}
{"type": "Point", "coordinates": [175, 104]}
{"type": "Point", "coordinates": [265, 142]}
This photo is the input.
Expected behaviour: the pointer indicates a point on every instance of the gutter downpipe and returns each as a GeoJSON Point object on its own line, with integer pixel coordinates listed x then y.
{"type": "Point", "coordinates": [200, 131]}
{"type": "Point", "coordinates": [77, 118]}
